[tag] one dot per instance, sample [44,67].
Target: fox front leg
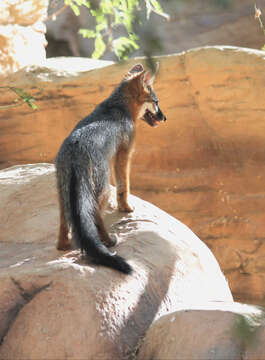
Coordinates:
[122,178]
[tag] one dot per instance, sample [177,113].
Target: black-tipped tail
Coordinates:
[114,261]
[83,209]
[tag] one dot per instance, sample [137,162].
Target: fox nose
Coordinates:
[161,116]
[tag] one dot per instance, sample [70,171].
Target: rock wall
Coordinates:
[205,165]
[22,33]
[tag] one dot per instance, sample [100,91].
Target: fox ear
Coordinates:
[138,68]
[135,72]
[149,77]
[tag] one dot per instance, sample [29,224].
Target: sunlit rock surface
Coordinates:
[22,33]
[55,305]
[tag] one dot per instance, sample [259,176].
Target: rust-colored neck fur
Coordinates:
[135,96]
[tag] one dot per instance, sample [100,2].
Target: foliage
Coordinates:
[258,17]
[22,96]
[247,326]
[112,15]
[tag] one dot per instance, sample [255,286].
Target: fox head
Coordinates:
[142,97]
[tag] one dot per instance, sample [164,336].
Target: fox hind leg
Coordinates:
[63,242]
[104,236]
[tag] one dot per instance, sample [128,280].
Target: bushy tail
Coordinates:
[83,208]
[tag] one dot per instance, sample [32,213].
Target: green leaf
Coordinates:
[155,4]
[148,9]
[32,105]
[87,4]
[128,21]
[106,6]
[100,47]
[26,97]
[124,46]
[77,2]
[101,26]
[117,17]
[101,19]
[80,2]
[86,33]
[75,9]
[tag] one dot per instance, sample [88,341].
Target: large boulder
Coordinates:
[56,305]
[205,165]
[208,332]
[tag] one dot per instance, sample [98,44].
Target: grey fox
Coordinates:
[83,165]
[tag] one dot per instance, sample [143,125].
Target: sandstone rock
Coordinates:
[205,165]
[212,331]
[55,305]
[22,33]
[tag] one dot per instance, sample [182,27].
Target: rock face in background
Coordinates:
[192,24]
[197,23]
[205,165]
[22,33]
[55,305]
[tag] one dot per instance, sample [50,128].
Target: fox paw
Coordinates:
[63,247]
[125,208]
[111,241]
